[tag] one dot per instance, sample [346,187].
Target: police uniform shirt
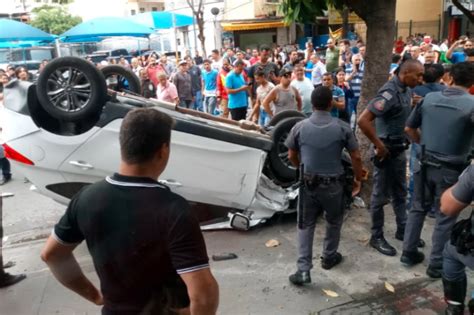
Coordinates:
[391,108]
[463,191]
[415,119]
[320,140]
[140,236]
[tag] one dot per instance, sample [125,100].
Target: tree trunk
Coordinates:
[202,38]
[379,16]
[345,21]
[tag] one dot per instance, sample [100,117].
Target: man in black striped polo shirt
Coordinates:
[147,247]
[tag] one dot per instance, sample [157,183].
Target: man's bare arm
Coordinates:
[365,123]
[67,271]
[266,102]
[450,206]
[341,105]
[356,164]
[299,101]
[294,157]
[413,133]
[203,291]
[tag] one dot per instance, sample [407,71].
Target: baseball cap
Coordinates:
[182,62]
[285,71]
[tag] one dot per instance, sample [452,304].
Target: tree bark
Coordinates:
[464,10]
[379,16]
[345,21]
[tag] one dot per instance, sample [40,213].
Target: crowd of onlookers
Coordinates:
[256,84]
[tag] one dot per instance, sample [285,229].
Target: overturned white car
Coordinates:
[62,134]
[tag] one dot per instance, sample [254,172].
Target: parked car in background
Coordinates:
[30,57]
[116,54]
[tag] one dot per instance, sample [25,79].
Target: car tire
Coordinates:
[125,75]
[71,101]
[284,115]
[278,157]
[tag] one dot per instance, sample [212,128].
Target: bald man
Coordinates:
[390,109]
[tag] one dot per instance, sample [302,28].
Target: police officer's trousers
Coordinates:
[437,181]
[327,199]
[454,263]
[389,182]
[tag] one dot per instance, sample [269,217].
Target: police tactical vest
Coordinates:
[321,147]
[392,123]
[447,125]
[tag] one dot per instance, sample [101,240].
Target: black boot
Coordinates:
[455,294]
[7,279]
[400,234]
[300,277]
[383,246]
[411,258]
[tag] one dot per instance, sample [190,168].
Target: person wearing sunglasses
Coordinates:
[283,96]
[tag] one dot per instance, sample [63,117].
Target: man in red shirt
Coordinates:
[399,45]
[222,95]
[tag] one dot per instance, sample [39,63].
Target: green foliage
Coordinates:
[306,11]
[54,19]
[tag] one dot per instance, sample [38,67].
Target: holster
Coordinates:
[462,238]
[395,146]
[311,182]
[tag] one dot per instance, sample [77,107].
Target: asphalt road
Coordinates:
[254,283]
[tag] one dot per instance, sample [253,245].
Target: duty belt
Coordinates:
[316,180]
[436,163]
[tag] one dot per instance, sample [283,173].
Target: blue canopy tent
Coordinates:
[11,31]
[93,29]
[162,19]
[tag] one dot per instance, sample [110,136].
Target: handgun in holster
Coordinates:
[395,146]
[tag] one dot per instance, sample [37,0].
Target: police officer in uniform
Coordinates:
[390,109]
[316,144]
[457,258]
[443,124]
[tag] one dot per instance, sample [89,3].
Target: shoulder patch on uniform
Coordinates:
[379,104]
[387,95]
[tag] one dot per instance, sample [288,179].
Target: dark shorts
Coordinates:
[238,113]
[173,295]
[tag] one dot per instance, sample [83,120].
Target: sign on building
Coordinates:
[335,17]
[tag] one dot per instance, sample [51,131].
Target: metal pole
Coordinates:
[439,27]
[215,33]
[396,29]
[175,38]
[194,29]
[410,27]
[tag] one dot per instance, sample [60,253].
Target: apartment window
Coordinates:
[142,10]
[133,12]
[154,9]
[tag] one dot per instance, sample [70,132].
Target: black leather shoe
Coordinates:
[399,236]
[454,310]
[329,262]
[383,246]
[300,278]
[434,272]
[409,259]
[8,279]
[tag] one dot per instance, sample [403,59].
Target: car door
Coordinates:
[201,169]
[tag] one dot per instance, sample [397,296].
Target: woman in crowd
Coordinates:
[22,74]
[348,93]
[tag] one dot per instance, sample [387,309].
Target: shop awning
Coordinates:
[237,26]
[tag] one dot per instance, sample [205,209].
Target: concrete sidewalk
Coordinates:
[257,281]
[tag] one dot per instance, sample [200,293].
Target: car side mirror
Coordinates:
[239,221]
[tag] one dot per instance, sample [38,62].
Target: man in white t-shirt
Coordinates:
[305,88]
[318,70]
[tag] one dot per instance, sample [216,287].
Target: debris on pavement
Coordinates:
[224,256]
[7,194]
[272,243]
[359,202]
[389,287]
[330,293]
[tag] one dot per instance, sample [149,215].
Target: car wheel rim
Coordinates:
[69,89]
[283,151]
